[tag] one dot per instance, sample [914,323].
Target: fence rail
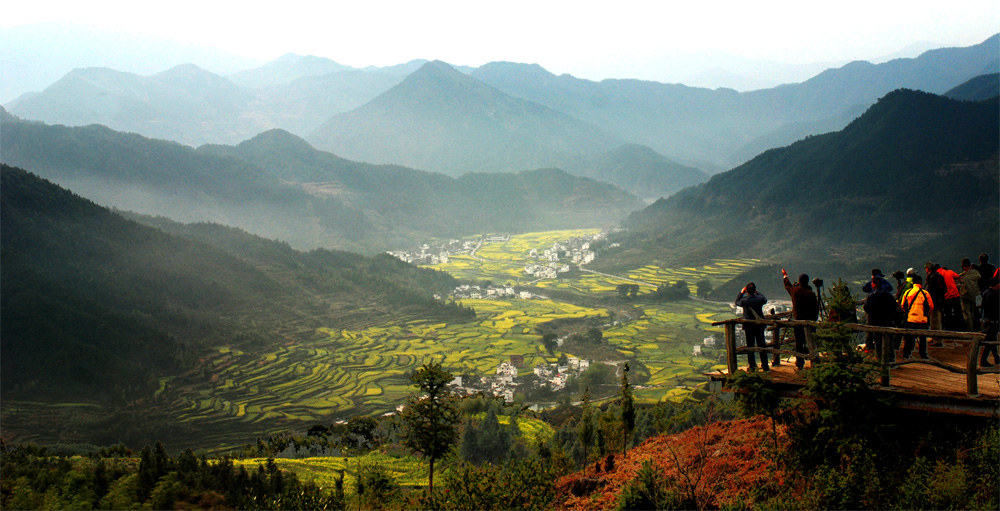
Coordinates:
[886,359]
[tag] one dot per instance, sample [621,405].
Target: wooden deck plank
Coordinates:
[915,380]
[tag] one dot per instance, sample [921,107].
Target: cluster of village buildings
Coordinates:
[548,263]
[545,263]
[504,383]
[473,292]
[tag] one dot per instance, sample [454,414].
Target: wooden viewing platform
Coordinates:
[949,381]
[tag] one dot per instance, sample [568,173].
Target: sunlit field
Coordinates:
[336,373]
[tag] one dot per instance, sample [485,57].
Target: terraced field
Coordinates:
[346,372]
[318,377]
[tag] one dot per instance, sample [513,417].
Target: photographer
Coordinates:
[753,308]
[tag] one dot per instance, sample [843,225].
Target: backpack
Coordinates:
[927,312]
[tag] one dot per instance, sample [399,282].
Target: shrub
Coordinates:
[650,489]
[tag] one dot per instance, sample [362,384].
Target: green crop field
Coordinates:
[410,471]
[336,373]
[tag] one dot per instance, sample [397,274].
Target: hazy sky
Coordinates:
[588,39]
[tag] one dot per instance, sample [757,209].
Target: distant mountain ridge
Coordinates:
[276,185]
[286,69]
[914,178]
[694,125]
[183,104]
[443,120]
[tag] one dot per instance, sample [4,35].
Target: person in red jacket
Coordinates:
[951,309]
[805,305]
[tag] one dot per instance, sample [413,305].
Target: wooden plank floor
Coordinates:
[911,380]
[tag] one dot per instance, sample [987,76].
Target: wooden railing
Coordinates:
[971,370]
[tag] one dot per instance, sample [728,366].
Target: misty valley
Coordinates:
[311,286]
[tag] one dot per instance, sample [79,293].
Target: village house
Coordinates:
[542,371]
[507,369]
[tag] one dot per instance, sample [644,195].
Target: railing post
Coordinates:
[886,357]
[811,344]
[776,345]
[972,370]
[731,347]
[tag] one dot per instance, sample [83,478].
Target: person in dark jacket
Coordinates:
[805,306]
[936,287]
[968,289]
[991,322]
[753,308]
[870,285]
[986,271]
[881,309]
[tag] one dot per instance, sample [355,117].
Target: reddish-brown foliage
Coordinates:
[716,464]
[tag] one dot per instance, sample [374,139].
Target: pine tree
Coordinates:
[586,428]
[431,421]
[628,410]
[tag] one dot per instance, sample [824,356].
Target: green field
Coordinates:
[407,470]
[329,374]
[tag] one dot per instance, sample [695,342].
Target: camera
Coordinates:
[818,282]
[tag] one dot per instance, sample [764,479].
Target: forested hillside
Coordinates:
[97,307]
[916,176]
[977,89]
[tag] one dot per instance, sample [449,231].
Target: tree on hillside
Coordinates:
[361,433]
[677,291]
[550,341]
[704,287]
[431,421]
[628,410]
[628,290]
[586,428]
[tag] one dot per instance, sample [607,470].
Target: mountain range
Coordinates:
[498,117]
[278,186]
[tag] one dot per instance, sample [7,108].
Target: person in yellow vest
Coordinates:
[918,306]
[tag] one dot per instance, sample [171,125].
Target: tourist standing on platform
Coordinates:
[951,309]
[880,308]
[936,287]
[753,308]
[918,305]
[907,284]
[968,289]
[986,271]
[805,306]
[991,322]
[870,287]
